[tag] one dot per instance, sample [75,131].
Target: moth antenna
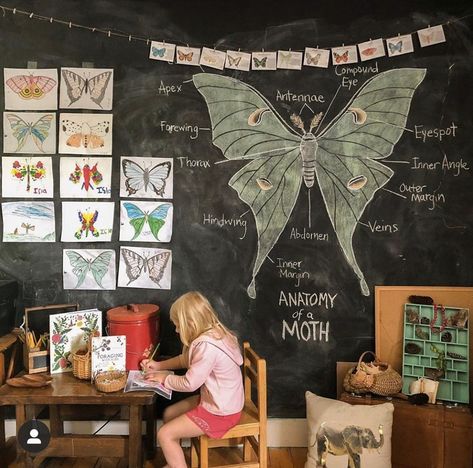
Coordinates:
[297,122]
[315,121]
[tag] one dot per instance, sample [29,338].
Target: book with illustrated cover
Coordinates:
[136,381]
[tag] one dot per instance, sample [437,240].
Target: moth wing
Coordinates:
[158,175]
[157,265]
[80,266]
[40,130]
[134,176]
[18,83]
[20,129]
[134,264]
[45,83]
[98,87]
[75,85]
[99,266]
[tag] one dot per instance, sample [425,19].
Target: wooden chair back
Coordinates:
[251,431]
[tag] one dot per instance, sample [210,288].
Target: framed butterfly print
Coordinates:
[85,134]
[89,269]
[146,177]
[27,177]
[372,49]
[142,221]
[213,58]
[87,221]
[316,57]
[145,268]
[344,55]
[187,55]
[162,51]
[28,89]
[400,45]
[431,36]
[29,132]
[28,222]
[262,61]
[237,60]
[86,88]
[289,60]
[85,177]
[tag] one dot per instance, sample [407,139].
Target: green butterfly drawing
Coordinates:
[98,266]
[39,131]
[138,218]
[342,157]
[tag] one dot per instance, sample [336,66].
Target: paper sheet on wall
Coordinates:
[86,88]
[85,134]
[146,177]
[30,89]
[29,132]
[142,221]
[27,177]
[28,222]
[89,269]
[87,221]
[144,268]
[85,177]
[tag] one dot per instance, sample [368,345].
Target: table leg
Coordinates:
[22,455]
[134,438]
[56,424]
[150,433]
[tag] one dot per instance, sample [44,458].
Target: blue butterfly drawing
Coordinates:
[158,52]
[38,131]
[155,219]
[395,48]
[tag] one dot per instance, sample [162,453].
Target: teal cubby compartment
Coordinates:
[436,337]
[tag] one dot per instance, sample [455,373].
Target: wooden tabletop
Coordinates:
[66,389]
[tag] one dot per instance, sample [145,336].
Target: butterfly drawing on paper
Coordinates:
[395,48]
[31,172]
[427,38]
[137,178]
[81,266]
[30,86]
[312,59]
[368,52]
[38,131]
[158,51]
[341,58]
[85,135]
[77,86]
[136,265]
[285,57]
[211,59]
[234,61]
[342,157]
[183,57]
[155,219]
[87,220]
[90,175]
[260,63]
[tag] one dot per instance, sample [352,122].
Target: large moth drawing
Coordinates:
[342,157]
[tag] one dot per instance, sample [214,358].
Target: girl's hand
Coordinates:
[156,376]
[149,365]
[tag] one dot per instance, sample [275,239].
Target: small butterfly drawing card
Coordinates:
[262,61]
[371,49]
[162,51]
[85,177]
[86,88]
[289,60]
[28,89]
[85,134]
[29,132]
[187,55]
[237,60]
[27,177]
[145,268]
[143,221]
[28,222]
[146,177]
[87,221]
[314,57]
[431,36]
[344,55]
[213,58]
[400,45]
[89,269]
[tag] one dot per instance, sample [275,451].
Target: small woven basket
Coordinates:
[110,381]
[81,364]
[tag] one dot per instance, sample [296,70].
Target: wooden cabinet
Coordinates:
[427,436]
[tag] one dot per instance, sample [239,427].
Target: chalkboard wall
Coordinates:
[309,309]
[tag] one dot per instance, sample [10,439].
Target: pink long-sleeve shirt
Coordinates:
[214,366]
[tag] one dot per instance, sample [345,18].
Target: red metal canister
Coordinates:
[140,324]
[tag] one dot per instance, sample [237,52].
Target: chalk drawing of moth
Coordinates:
[342,157]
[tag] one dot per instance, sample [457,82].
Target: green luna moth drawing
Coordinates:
[343,156]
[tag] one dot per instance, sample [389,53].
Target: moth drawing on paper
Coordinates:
[137,265]
[22,130]
[94,87]
[30,86]
[342,157]
[98,266]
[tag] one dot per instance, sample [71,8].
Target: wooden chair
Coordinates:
[251,430]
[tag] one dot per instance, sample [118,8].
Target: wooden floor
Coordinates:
[278,458]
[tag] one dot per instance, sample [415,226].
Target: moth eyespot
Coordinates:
[256,116]
[357,183]
[359,115]
[264,184]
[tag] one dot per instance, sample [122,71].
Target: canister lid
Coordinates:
[132,312]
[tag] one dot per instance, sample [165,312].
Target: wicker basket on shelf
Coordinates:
[82,363]
[110,381]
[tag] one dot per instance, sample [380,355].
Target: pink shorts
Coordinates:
[213,425]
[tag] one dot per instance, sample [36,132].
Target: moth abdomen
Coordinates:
[308,149]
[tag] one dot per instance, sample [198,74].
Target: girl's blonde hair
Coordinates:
[194,315]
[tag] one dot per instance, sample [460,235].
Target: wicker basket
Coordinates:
[81,364]
[110,381]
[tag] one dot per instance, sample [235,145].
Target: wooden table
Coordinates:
[65,389]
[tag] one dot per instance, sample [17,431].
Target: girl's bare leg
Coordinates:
[180,407]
